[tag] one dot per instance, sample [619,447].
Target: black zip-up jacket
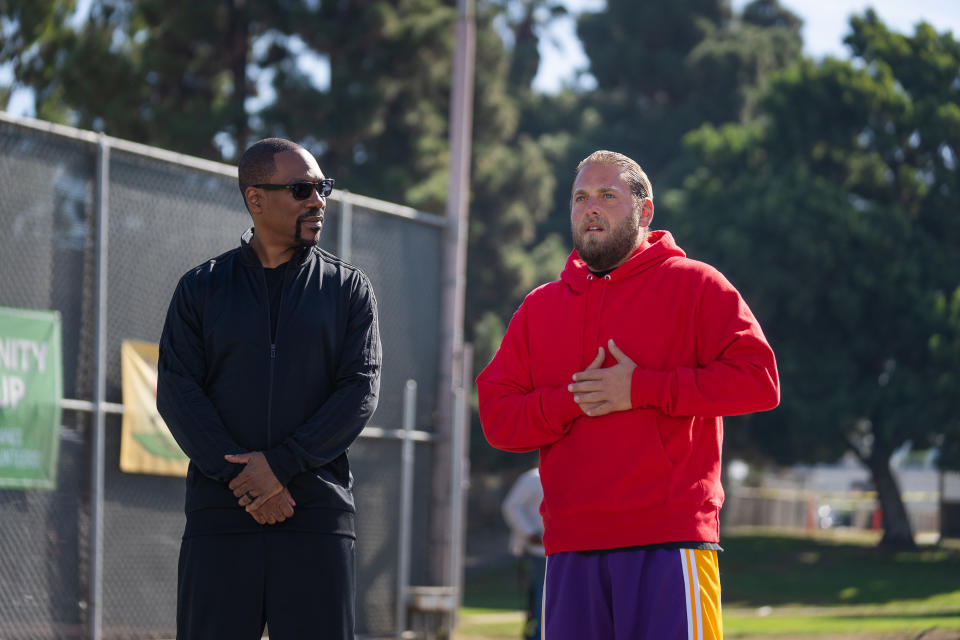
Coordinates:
[225,387]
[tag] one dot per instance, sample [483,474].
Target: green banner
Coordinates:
[31,386]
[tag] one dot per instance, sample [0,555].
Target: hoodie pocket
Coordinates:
[676,436]
[636,454]
[687,484]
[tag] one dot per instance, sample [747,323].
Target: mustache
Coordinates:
[316,212]
[590,223]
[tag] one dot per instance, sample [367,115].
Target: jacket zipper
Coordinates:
[273,352]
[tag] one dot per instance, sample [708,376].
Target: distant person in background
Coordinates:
[269,369]
[619,374]
[521,510]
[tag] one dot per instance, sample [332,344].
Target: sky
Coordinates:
[825,25]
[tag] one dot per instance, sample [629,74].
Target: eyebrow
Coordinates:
[302,179]
[601,189]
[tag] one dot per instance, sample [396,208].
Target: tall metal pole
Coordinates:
[453,276]
[406,504]
[460,450]
[95,606]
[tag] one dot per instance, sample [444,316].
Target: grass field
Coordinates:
[788,587]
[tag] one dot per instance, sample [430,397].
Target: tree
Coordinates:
[663,69]
[525,22]
[175,72]
[946,348]
[836,215]
[182,76]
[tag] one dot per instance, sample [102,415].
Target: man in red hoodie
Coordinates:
[619,374]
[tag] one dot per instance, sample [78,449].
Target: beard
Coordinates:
[298,238]
[604,255]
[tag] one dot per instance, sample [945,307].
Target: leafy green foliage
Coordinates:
[663,69]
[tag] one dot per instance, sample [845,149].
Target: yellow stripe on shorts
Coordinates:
[701,581]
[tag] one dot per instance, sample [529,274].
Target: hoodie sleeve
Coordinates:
[340,419]
[736,371]
[187,411]
[514,415]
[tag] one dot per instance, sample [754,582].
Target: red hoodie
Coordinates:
[650,474]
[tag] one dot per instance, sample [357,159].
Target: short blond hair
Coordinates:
[636,179]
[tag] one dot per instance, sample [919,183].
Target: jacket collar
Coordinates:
[250,258]
[660,246]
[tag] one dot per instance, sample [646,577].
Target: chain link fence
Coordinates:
[167,213]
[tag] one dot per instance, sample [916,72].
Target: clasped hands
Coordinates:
[600,391]
[258,489]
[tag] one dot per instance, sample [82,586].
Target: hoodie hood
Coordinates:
[660,246]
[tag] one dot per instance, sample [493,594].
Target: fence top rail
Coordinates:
[391,208]
[209,166]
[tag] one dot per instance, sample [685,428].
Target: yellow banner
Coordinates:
[146,445]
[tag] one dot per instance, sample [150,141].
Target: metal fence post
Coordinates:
[345,235]
[406,504]
[453,276]
[459,452]
[95,605]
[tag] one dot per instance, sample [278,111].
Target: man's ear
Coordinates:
[253,198]
[646,212]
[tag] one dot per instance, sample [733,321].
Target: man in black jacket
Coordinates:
[269,369]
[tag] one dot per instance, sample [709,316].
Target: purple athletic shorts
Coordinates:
[635,594]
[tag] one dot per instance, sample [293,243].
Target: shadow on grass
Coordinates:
[770,569]
[897,615]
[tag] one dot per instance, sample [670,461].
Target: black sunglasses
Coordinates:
[302,190]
